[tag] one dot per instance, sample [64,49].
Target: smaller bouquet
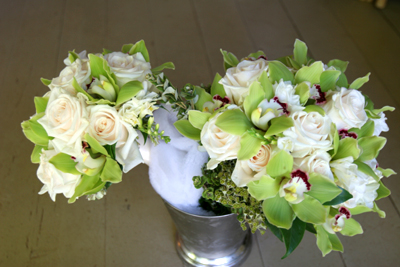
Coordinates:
[292,146]
[85,129]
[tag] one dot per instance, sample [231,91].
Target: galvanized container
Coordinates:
[210,240]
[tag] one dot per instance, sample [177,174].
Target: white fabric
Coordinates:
[173,165]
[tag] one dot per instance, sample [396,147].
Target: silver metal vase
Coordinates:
[210,240]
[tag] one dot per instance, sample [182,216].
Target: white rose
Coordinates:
[108,128]
[55,181]
[238,79]
[82,55]
[362,186]
[220,145]
[252,169]
[285,95]
[380,124]
[128,67]
[65,119]
[316,162]
[346,108]
[311,131]
[80,69]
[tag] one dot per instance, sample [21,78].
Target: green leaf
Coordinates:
[342,81]
[100,102]
[278,71]
[41,104]
[256,95]
[281,164]
[371,114]
[323,242]
[278,212]
[366,130]
[315,108]
[128,91]
[293,236]
[328,80]
[347,147]
[338,64]
[230,60]
[45,81]
[322,188]
[359,82]
[95,145]
[351,228]
[86,184]
[64,163]
[385,108]
[111,172]
[370,147]
[35,131]
[198,119]
[300,52]
[217,88]
[126,47]
[366,169]
[264,188]
[111,150]
[203,97]
[233,121]
[335,137]
[303,90]
[166,65]
[37,150]
[97,66]
[310,227]
[249,146]
[380,212]
[310,74]
[72,56]
[278,125]
[256,54]
[359,210]
[310,210]
[386,172]
[275,230]
[140,47]
[382,191]
[342,197]
[106,51]
[187,129]
[294,64]
[266,85]
[79,89]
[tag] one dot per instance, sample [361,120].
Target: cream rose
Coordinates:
[238,79]
[346,108]
[252,169]
[219,144]
[80,70]
[311,131]
[108,128]
[55,181]
[128,67]
[66,120]
[316,162]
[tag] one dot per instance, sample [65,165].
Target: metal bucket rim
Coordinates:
[199,216]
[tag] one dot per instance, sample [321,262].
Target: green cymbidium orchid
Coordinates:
[103,88]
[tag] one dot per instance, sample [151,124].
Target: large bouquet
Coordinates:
[292,146]
[85,129]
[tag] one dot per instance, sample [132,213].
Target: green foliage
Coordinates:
[303,90]
[339,199]
[281,164]
[230,60]
[382,191]
[64,163]
[266,85]
[256,95]
[278,212]
[111,171]
[351,228]
[322,188]
[203,97]
[95,145]
[370,147]
[310,74]
[359,82]
[159,69]
[293,236]
[264,188]
[128,91]
[347,147]
[40,104]
[328,80]
[249,146]
[198,119]
[45,81]
[310,210]
[366,130]
[315,108]
[386,172]
[139,47]
[35,132]
[87,185]
[72,56]
[217,88]
[234,122]
[79,89]
[37,150]
[278,71]
[300,52]
[278,125]
[187,129]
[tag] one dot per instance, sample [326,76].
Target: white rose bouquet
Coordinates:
[292,146]
[86,128]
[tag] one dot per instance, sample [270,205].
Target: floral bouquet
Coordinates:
[85,129]
[292,146]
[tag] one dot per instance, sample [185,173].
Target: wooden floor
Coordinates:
[131,227]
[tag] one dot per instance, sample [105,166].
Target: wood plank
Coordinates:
[222,28]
